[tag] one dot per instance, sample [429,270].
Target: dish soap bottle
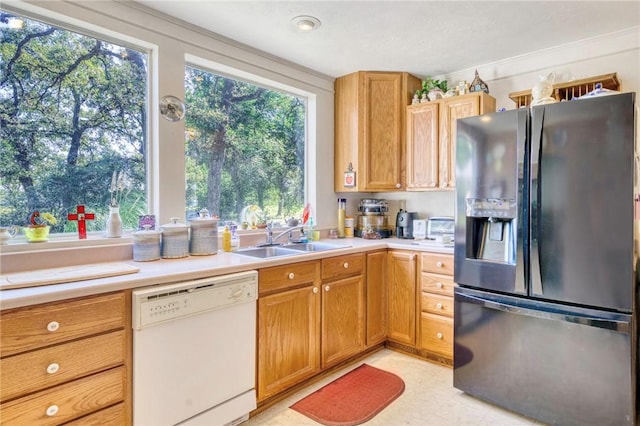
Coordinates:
[235,238]
[226,239]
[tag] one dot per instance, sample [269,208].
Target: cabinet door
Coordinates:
[402,297]
[342,319]
[288,339]
[383,152]
[376,324]
[422,146]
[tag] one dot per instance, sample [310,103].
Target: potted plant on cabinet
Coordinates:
[432,89]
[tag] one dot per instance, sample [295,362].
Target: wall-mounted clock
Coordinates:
[172,108]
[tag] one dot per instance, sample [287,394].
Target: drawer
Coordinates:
[435,304]
[32,371]
[343,266]
[438,284]
[437,334]
[113,416]
[68,401]
[437,263]
[282,277]
[37,326]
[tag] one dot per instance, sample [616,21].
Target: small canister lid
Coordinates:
[175,227]
[147,235]
[204,219]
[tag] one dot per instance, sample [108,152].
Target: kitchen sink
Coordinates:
[286,250]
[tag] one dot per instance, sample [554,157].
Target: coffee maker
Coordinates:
[404,223]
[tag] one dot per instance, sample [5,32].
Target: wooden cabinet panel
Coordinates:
[31,371]
[437,263]
[288,339]
[287,276]
[422,146]
[438,305]
[115,415]
[343,266]
[437,334]
[402,295]
[342,319]
[68,401]
[370,129]
[376,297]
[438,284]
[42,325]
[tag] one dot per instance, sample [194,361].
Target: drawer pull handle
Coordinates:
[291,275]
[327,288]
[439,335]
[315,290]
[53,326]
[345,265]
[53,368]
[439,285]
[439,264]
[439,305]
[52,410]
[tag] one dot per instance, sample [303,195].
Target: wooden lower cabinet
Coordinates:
[288,327]
[376,298]
[402,294]
[67,361]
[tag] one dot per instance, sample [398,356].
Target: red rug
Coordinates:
[353,398]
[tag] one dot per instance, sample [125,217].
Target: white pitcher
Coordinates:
[7,233]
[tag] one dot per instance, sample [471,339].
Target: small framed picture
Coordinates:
[349,179]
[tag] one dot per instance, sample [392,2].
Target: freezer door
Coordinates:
[582,166]
[558,365]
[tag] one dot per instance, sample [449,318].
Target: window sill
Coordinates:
[63,241]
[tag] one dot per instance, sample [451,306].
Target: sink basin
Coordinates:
[265,252]
[312,246]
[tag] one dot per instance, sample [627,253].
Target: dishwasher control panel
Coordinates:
[153,305]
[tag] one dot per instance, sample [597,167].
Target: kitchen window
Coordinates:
[73,112]
[244,149]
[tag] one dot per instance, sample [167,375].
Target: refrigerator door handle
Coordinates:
[607,324]
[535,208]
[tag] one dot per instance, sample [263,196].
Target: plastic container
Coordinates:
[204,234]
[349,223]
[175,239]
[146,245]
[235,238]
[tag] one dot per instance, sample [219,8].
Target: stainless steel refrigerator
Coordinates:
[546,260]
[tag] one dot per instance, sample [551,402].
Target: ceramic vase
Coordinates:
[114,223]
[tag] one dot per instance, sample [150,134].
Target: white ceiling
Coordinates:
[422,37]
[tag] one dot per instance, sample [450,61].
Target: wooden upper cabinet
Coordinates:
[431,138]
[370,129]
[451,110]
[422,146]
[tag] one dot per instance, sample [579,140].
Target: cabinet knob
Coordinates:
[53,368]
[345,265]
[53,326]
[327,288]
[52,410]
[315,290]
[439,285]
[439,264]
[398,185]
[439,305]
[291,275]
[444,184]
[439,335]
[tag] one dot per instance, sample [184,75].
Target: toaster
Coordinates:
[440,226]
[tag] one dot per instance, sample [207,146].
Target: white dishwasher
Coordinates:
[194,351]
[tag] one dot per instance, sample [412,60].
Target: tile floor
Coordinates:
[429,399]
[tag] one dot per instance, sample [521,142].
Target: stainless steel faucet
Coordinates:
[271,238]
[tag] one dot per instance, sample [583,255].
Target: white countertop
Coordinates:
[165,271]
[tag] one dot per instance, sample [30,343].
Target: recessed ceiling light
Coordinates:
[305,23]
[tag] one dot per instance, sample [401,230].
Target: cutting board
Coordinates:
[65,274]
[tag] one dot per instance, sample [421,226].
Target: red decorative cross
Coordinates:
[81,216]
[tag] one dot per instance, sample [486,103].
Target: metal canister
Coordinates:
[175,239]
[204,234]
[146,245]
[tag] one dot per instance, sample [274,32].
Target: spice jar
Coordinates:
[204,234]
[175,239]
[146,245]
